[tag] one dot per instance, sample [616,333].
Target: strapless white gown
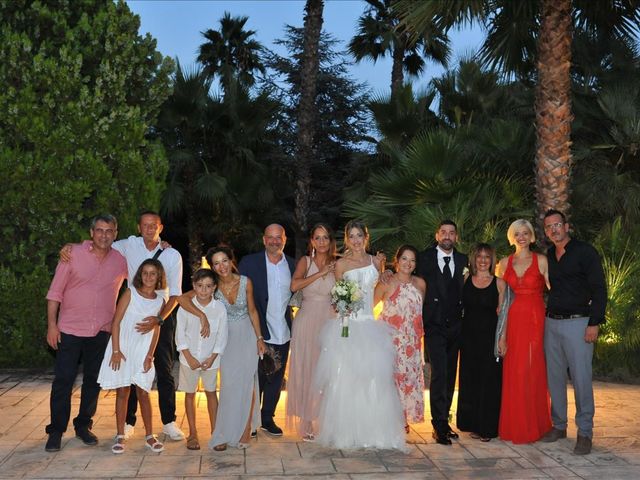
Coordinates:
[359,403]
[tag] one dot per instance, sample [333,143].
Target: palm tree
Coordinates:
[307,113]
[219,181]
[436,178]
[522,35]
[230,52]
[378,35]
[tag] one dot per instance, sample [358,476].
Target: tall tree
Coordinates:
[341,123]
[81,89]
[378,35]
[307,113]
[231,52]
[522,36]
[219,149]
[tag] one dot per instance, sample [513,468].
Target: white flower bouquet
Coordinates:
[346,298]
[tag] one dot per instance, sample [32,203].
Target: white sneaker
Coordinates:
[128,431]
[172,431]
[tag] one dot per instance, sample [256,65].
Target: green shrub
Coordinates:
[23,317]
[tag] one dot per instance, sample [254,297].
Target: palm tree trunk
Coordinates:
[306,118]
[553,109]
[397,72]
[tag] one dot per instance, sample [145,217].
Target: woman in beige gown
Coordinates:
[314,276]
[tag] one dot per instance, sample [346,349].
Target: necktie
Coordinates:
[446,271]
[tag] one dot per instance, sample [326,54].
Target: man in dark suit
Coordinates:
[442,268]
[271,271]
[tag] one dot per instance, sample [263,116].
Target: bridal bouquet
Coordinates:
[346,297]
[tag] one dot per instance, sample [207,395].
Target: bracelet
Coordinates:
[116,351]
[260,338]
[160,320]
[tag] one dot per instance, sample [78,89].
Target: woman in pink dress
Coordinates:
[314,276]
[403,294]
[525,407]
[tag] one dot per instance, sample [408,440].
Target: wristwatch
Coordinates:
[160,320]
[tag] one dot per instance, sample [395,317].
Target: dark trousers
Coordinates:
[71,350]
[443,345]
[271,386]
[163,361]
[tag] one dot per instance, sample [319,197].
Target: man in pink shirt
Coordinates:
[80,305]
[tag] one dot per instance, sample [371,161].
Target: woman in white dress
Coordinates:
[359,403]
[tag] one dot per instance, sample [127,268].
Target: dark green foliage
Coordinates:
[341,123]
[80,90]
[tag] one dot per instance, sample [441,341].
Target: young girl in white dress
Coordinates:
[359,402]
[128,359]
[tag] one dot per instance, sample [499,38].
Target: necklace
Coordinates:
[227,290]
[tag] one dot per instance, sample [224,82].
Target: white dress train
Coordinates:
[359,402]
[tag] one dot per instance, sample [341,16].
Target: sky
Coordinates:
[177,26]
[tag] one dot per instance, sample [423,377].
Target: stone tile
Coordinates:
[562,452]
[559,473]
[618,444]
[433,450]
[423,475]
[475,463]
[537,457]
[107,464]
[627,472]
[408,464]
[313,450]
[264,465]
[308,465]
[632,458]
[25,464]
[180,465]
[494,474]
[412,452]
[222,465]
[493,449]
[359,465]
[296,477]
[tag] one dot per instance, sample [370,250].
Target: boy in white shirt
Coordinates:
[200,356]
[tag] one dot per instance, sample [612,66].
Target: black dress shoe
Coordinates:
[440,438]
[452,434]
[53,442]
[87,436]
[272,429]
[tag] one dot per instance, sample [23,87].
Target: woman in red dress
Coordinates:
[524,414]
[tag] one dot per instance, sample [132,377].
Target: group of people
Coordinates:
[358,390]
[523,398]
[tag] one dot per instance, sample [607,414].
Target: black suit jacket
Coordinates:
[442,306]
[254,266]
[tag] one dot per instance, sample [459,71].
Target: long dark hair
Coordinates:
[332,239]
[161,284]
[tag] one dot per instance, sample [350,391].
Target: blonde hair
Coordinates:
[521,222]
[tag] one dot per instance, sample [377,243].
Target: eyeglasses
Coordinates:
[554,226]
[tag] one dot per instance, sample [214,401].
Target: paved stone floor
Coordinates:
[24,412]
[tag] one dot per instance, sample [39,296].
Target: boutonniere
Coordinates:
[465,271]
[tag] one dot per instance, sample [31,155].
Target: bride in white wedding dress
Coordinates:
[359,404]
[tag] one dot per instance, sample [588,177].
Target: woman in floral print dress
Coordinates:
[402,295]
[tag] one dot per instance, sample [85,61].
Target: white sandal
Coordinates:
[118,447]
[156,446]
